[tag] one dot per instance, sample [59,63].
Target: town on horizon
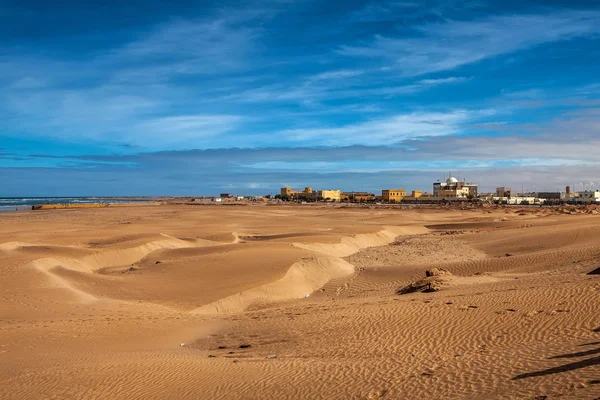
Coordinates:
[450,190]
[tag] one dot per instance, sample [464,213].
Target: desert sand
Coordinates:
[298,302]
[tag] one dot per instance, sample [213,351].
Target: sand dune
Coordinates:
[211,302]
[300,281]
[308,275]
[352,244]
[96,260]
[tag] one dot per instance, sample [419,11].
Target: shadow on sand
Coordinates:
[579,354]
[567,367]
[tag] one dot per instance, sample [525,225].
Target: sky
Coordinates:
[190,98]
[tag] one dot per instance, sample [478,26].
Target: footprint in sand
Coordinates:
[377,394]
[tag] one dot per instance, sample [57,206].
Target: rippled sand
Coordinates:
[298,302]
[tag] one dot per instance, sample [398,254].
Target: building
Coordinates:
[290,194]
[455,193]
[518,200]
[418,197]
[329,195]
[393,195]
[503,192]
[588,197]
[452,188]
[358,196]
[365,196]
[551,196]
[226,195]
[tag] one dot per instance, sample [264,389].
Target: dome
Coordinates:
[452,180]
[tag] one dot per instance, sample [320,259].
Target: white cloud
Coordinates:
[340,74]
[338,166]
[385,131]
[116,96]
[76,113]
[445,46]
[442,81]
[184,47]
[131,94]
[110,115]
[185,131]
[384,10]
[315,91]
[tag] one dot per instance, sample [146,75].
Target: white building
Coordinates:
[520,200]
[588,197]
[452,188]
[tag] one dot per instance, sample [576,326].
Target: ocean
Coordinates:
[25,203]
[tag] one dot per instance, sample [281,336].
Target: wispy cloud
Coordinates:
[185,47]
[548,143]
[132,92]
[375,11]
[184,131]
[375,87]
[326,87]
[409,165]
[547,159]
[110,115]
[330,75]
[445,46]
[383,131]
[442,81]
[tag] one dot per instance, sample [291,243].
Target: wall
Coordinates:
[333,195]
[453,194]
[393,195]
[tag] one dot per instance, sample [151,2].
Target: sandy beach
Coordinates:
[299,302]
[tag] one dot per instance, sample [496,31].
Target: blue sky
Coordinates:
[196,98]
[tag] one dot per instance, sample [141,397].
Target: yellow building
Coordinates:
[393,195]
[366,197]
[358,196]
[289,193]
[330,195]
[416,193]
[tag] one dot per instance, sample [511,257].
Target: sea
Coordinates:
[25,203]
